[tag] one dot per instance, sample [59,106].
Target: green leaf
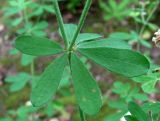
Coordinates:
[149,87]
[13,51]
[120,36]
[118,104]
[49,82]
[86,89]
[27,59]
[108,42]
[16,22]
[148,82]
[154,107]
[121,88]
[70,29]
[18,81]
[37,46]
[141,97]
[40,26]
[24,111]
[130,118]
[6,119]
[115,116]
[137,112]
[125,62]
[86,37]
[146,43]
[145,78]
[49,8]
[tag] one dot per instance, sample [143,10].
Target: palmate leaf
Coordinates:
[122,61]
[49,82]
[37,46]
[86,89]
[137,112]
[18,81]
[148,82]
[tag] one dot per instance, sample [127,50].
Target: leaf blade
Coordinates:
[70,29]
[84,37]
[130,118]
[137,112]
[124,62]
[49,82]
[86,89]
[37,46]
[107,42]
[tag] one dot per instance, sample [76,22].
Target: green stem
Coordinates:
[145,24]
[150,116]
[81,22]
[82,116]
[41,2]
[32,68]
[60,21]
[25,16]
[158,117]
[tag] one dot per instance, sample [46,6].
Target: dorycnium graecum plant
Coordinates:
[120,60]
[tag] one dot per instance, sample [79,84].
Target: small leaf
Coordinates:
[120,36]
[18,81]
[86,89]
[37,46]
[121,88]
[27,59]
[149,87]
[145,78]
[86,37]
[141,97]
[125,62]
[49,82]
[16,22]
[108,42]
[154,107]
[148,82]
[137,112]
[49,8]
[13,51]
[117,104]
[130,118]
[70,29]
[115,116]
[6,119]
[146,43]
[40,26]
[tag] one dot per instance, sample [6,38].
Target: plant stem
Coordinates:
[150,116]
[146,22]
[25,16]
[32,69]
[60,22]
[81,22]
[158,117]
[82,116]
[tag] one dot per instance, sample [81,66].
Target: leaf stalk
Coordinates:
[60,22]
[81,22]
